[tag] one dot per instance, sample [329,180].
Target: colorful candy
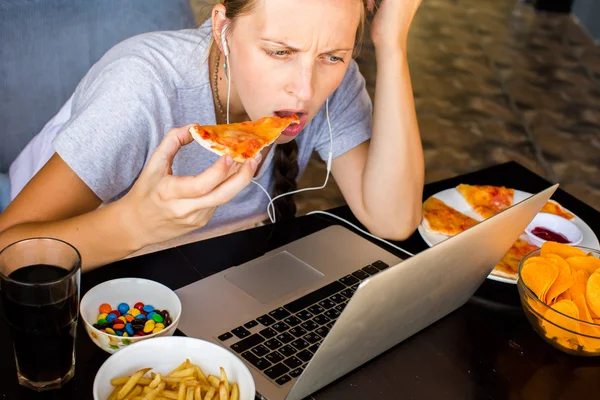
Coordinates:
[139,320]
[105,308]
[157,318]
[148,308]
[123,308]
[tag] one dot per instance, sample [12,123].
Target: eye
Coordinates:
[278,53]
[333,59]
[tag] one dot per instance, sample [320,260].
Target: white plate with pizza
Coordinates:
[448,212]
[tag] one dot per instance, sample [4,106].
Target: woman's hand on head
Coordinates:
[165,206]
[392,22]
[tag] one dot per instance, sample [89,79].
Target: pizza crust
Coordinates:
[504,274]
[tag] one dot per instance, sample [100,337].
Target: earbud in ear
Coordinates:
[224,41]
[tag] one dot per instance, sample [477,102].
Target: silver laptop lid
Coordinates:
[400,301]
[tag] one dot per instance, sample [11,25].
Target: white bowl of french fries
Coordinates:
[177,368]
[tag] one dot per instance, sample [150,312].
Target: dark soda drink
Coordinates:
[42,320]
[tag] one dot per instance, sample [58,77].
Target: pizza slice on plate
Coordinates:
[508,266]
[552,207]
[242,140]
[487,200]
[438,217]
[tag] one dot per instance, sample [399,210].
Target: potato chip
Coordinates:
[560,249]
[566,295]
[593,293]
[588,263]
[588,343]
[539,274]
[563,281]
[580,280]
[554,320]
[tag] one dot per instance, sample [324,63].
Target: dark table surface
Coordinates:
[484,350]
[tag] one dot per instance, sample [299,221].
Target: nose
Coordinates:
[301,84]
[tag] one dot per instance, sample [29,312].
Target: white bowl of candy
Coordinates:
[123,311]
[549,227]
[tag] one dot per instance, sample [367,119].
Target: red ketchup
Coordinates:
[547,234]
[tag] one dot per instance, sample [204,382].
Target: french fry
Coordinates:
[183,365]
[169,394]
[170,379]
[183,373]
[153,394]
[201,376]
[223,393]
[189,394]
[137,390]
[123,380]
[155,381]
[214,381]
[113,395]
[133,380]
[156,398]
[181,393]
[224,380]
[235,392]
[186,382]
[211,392]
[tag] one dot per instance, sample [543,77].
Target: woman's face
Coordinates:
[288,56]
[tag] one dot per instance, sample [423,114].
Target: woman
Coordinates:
[285,57]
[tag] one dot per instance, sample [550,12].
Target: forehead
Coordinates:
[304,23]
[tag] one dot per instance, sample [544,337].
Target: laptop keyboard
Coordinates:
[290,335]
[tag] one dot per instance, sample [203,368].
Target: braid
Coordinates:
[285,172]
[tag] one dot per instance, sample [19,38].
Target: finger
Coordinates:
[228,189]
[185,187]
[174,140]
[234,184]
[370,5]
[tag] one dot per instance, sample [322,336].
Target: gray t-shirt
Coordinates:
[153,82]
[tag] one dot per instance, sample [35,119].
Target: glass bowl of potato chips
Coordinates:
[559,286]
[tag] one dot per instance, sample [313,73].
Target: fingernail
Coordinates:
[253,163]
[228,161]
[258,157]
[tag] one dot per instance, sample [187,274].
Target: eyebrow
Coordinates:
[284,44]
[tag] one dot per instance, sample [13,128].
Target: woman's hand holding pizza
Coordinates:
[391,23]
[164,206]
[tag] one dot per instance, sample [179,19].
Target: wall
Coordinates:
[588,13]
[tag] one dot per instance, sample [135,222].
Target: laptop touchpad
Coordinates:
[273,277]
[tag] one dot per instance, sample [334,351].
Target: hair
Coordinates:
[285,168]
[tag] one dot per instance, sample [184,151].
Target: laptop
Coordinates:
[307,313]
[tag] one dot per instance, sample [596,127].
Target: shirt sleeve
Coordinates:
[115,125]
[350,114]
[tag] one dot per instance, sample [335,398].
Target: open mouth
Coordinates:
[294,128]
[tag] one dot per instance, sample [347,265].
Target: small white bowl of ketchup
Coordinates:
[549,227]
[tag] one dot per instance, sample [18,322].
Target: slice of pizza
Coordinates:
[241,140]
[438,217]
[552,207]
[487,200]
[508,266]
